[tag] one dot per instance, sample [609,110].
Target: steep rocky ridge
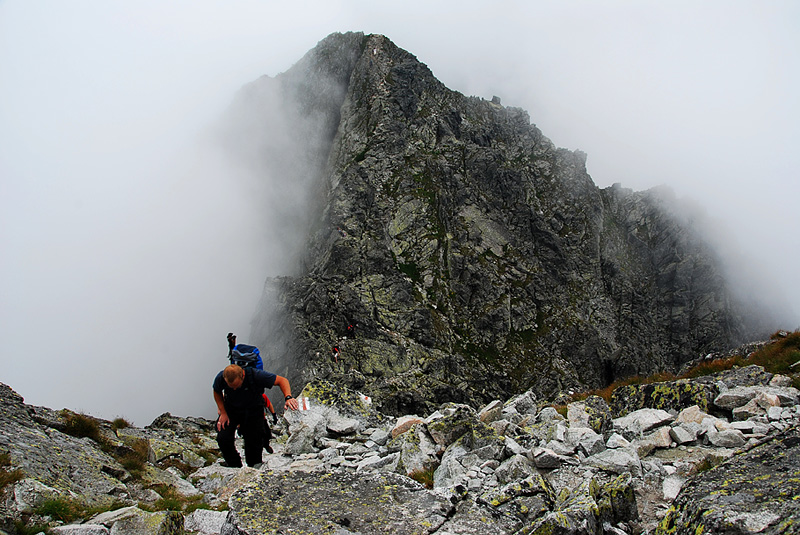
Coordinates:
[474,258]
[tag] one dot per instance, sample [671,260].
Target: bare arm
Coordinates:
[283,384]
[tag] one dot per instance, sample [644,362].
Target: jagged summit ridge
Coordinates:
[474,258]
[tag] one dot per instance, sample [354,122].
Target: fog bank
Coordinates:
[130,244]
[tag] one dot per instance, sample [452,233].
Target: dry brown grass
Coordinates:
[777,357]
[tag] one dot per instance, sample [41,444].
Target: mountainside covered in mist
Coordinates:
[453,253]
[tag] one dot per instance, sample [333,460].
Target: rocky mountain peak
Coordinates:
[453,253]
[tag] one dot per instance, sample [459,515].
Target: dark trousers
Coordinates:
[251,423]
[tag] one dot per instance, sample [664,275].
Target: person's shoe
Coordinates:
[268,448]
[257,466]
[226,465]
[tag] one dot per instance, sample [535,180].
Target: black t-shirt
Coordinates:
[249,394]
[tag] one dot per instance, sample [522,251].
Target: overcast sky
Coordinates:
[121,233]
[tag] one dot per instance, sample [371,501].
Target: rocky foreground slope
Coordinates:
[719,454]
[461,244]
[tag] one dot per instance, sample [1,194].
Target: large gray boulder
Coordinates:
[639,422]
[617,461]
[337,502]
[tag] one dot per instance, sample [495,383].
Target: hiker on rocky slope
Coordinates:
[238,395]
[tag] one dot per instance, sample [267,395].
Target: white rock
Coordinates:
[618,461]
[546,458]
[514,447]
[691,414]
[730,438]
[672,486]
[641,421]
[205,521]
[376,462]
[736,397]
[681,435]
[617,441]
[491,412]
[404,423]
[81,529]
[339,425]
[561,448]
[660,438]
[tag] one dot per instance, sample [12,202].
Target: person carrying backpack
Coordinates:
[238,394]
[249,356]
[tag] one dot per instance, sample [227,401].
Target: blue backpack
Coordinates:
[246,356]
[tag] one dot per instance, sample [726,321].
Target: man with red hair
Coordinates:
[238,394]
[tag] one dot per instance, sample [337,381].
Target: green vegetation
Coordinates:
[411,270]
[777,357]
[81,425]
[134,457]
[172,500]
[8,477]
[181,466]
[64,509]
[714,366]
[23,529]
[210,456]
[120,423]
[67,510]
[423,476]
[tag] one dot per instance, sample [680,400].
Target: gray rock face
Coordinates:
[740,495]
[474,258]
[59,461]
[339,502]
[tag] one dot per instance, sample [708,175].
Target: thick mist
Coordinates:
[133,237]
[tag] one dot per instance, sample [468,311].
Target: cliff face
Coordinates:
[472,257]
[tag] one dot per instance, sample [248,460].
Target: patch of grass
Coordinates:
[134,457]
[192,507]
[22,528]
[777,357]
[423,476]
[172,500]
[119,423]
[8,477]
[81,425]
[184,468]
[780,355]
[210,456]
[713,366]
[63,509]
